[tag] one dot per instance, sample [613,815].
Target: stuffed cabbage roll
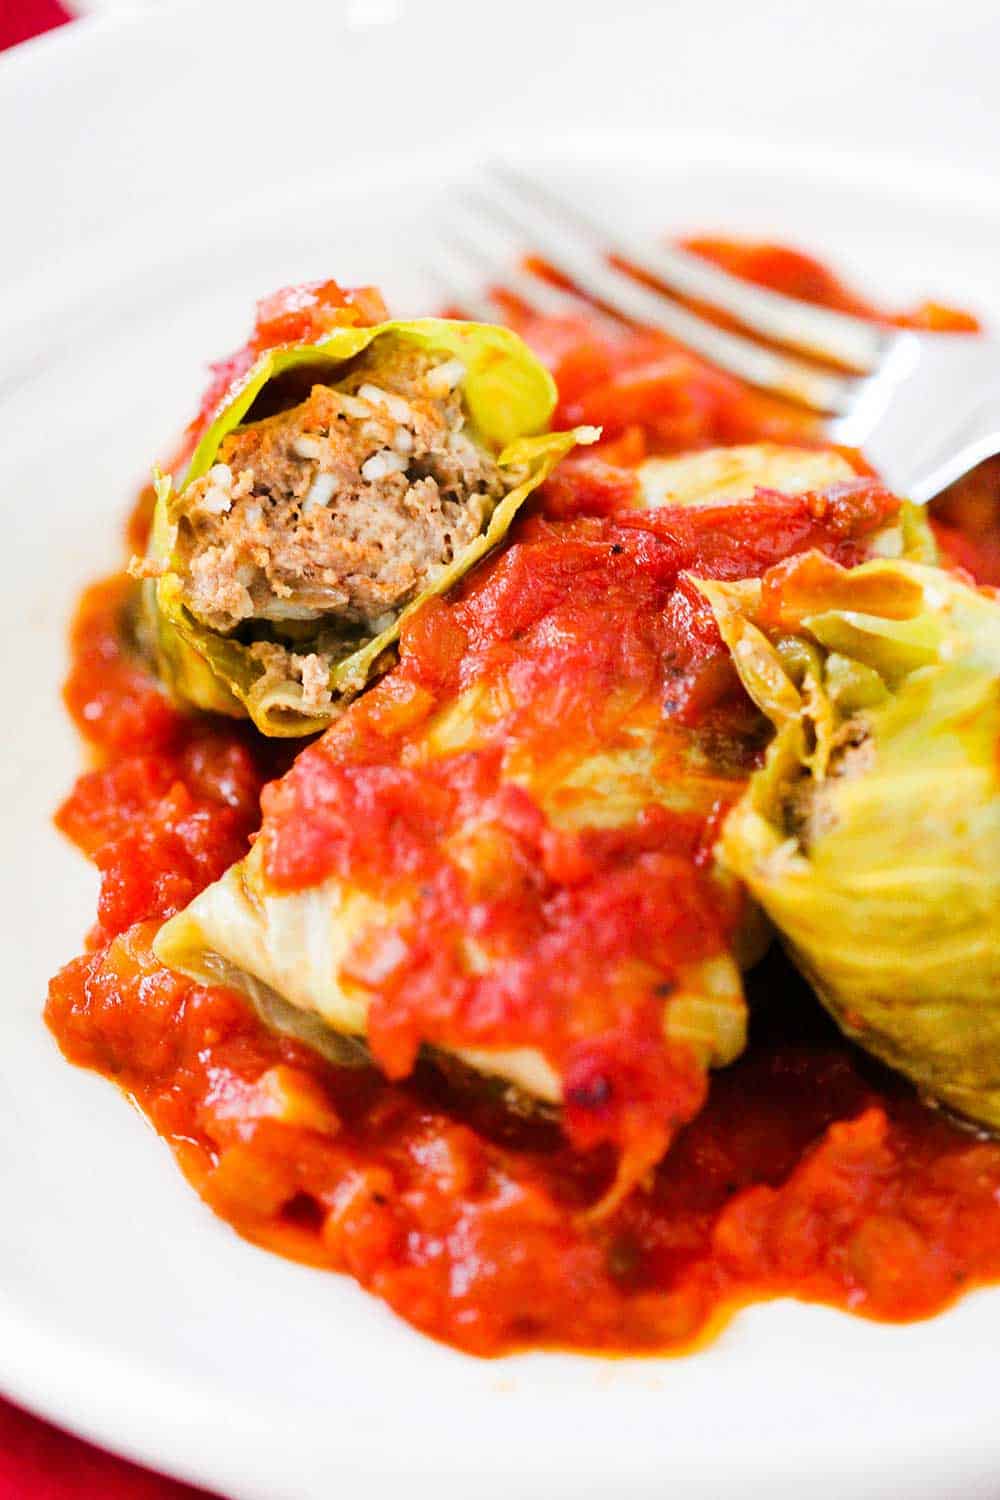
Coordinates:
[341,483]
[503,850]
[871,836]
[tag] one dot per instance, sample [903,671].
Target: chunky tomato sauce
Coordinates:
[807,1170]
[583,633]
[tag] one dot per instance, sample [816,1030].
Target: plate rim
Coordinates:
[88,1407]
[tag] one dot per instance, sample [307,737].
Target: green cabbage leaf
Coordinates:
[871,835]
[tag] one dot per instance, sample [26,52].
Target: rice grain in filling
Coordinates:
[330,517]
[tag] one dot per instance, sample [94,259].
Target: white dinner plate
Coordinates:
[156,175]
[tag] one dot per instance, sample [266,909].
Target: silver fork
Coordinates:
[925,408]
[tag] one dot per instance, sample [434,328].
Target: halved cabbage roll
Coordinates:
[342,483]
[871,836]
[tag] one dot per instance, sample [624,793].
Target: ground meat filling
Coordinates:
[808,809]
[321,523]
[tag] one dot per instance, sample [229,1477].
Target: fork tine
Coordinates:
[497,259]
[820,331]
[460,285]
[587,268]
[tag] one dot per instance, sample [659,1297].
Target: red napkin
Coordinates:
[20,19]
[38,1462]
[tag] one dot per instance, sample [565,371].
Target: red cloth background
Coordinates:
[20,19]
[38,1462]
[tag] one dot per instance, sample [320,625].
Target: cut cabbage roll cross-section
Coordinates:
[502,852]
[342,508]
[342,483]
[871,835]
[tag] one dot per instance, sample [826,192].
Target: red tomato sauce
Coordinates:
[582,630]
[808,1170]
